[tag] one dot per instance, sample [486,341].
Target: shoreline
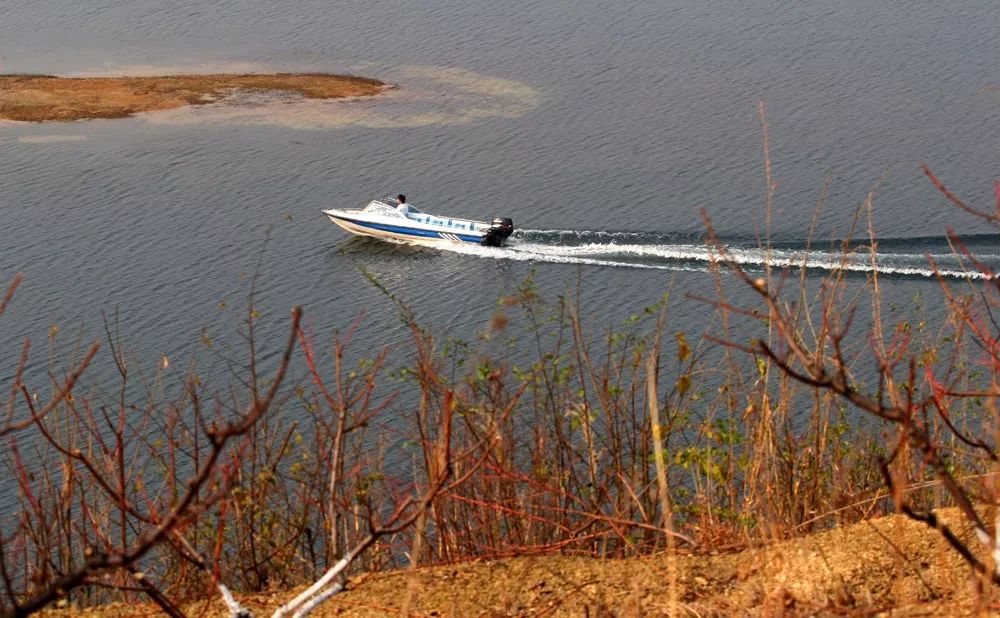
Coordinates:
[49,98]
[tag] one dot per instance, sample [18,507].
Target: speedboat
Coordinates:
[380,219]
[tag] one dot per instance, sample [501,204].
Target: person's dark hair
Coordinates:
[401,198]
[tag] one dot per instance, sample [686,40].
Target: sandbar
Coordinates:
[41,98]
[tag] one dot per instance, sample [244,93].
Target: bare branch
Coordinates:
[11,289]
[64,391]
[992,219]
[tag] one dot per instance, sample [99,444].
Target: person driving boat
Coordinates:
[401,206]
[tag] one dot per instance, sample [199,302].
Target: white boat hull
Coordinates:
[384,223]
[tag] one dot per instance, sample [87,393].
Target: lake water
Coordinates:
[601,128]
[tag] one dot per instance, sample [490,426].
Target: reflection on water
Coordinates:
[49,139]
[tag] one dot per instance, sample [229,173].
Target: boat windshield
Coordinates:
[387,206]
[390,201]
[378,207]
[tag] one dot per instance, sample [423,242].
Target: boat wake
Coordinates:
[896,256]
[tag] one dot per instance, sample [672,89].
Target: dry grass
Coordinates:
[39,98]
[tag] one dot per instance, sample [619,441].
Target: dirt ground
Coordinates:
[887,567]
[39,98]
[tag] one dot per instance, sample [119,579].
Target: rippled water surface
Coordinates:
[602,129]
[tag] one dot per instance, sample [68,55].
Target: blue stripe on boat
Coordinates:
[410,231]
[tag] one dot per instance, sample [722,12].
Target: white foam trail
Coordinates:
[670,250]
[540,253]
[598,254]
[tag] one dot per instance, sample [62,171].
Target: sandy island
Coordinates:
[38,98]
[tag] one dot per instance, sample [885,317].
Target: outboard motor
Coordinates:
[500,229]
